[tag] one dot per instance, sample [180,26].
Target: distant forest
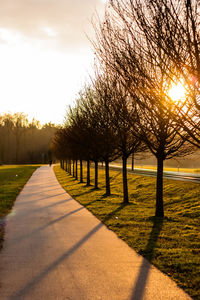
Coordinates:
[24,142]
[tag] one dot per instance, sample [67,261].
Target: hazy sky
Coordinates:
[45,56]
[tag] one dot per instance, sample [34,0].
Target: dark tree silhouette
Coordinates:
[59,145]
[173,27]
[123,115]
[122,46]
[107,135]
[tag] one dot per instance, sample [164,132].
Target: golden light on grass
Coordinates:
[177,92]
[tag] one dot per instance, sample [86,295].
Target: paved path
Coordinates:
[56,250]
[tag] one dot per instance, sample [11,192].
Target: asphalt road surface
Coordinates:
[191,177]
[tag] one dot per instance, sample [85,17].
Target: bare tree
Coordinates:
[59,145]
[122,114]
[88,112]
[100,135]
[77,140]
[174,26]
[85,133]
[107,134]
[122,46]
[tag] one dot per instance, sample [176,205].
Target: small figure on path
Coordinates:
[50,162]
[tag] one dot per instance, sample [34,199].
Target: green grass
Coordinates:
[171,244]
[12,180]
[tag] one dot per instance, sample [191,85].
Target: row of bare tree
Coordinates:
[143,47]
[22,141]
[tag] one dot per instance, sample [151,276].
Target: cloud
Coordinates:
[56,22]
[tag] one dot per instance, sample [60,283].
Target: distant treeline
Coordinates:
[24,142]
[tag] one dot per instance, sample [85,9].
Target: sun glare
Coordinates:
[10,36]
[49,31]
[40,82]
[177,92]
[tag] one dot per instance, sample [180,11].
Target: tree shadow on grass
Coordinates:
[148,253]
[79,182]
[114,212]
[83,193]
[104,196]
[112,178]
[94,201]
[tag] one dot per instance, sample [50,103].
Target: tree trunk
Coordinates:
[159,189]
[70,169]
[81,171]
[96,174]
[125,184]
[66,169]
[73,168]
[107,178]
[132,162]
[62,164]
[88,172]
[76,169]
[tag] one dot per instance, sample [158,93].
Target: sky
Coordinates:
[45,55]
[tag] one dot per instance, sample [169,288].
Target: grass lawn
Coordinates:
[171,244]
[12,180]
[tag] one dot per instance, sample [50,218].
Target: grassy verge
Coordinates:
[12,180]
[172,244]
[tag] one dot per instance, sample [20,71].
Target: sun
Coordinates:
[177,92]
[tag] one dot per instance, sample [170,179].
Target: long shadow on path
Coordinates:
[27,289]
[21,238]
[44,198]
[141,281]
[140,284]
[31,284]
